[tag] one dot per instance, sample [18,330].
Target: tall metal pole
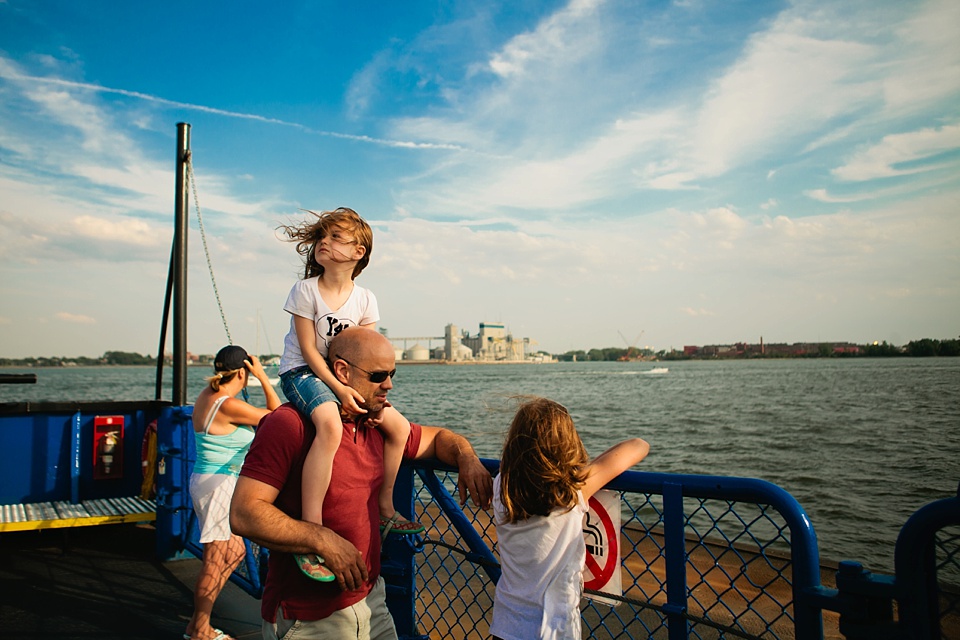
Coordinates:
[180,268]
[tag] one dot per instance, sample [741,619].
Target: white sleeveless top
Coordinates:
[541,559]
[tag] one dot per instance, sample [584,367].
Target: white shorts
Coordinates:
[211,494]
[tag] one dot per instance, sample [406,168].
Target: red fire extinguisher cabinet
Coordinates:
[107,447]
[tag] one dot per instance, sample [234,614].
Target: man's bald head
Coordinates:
[354,344]
[365,361]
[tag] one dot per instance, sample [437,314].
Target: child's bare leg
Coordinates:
[396,430]
[317,469]
[318,465]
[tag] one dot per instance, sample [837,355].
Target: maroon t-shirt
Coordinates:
[350,507]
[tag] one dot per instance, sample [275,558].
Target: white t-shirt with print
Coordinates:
[305,301]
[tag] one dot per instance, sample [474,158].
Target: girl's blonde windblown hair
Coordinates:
[309,232]
[544,461]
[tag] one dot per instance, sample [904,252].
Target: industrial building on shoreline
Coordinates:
[493,343]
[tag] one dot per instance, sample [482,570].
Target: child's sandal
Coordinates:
[399,525]
[312,566]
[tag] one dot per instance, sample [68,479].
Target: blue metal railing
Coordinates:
[703,557]
[928,547]
[925,588]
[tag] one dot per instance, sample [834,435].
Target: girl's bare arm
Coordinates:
[612,462]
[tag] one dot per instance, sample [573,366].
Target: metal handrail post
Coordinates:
[180,268]
[451,508]
[676,561]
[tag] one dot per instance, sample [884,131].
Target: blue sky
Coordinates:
[589,173]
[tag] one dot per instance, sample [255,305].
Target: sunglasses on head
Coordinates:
[374,376]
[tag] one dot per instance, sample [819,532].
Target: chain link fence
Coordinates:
[731,562]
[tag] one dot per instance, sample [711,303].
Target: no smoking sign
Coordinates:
[601,534]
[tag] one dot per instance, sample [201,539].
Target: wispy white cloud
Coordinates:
[543,45]
[822,195]
[133,232]
[805,74]
[924,66]
[690,311]
[872,191]
[902,154]
[791,80]
[75,318]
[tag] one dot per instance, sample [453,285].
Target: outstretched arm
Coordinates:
[473,478]
[253,515]
[612,462]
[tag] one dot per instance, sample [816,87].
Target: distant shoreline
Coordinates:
[72,365]
[922,348]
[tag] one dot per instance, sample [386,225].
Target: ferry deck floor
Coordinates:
[105,582]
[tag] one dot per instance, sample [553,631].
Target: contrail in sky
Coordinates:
[8,73]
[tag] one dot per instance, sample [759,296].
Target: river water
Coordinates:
[860,443]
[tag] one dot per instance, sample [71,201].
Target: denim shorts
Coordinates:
[305,390]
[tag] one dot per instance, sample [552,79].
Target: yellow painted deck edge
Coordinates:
[32,525]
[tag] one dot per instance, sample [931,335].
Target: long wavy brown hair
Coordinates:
[544,462]
[309,232]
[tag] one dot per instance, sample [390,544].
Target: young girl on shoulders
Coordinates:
[539,505]
[336,247]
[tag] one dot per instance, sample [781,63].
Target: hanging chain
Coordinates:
[206,250]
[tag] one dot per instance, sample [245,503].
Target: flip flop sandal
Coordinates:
[399,525]
[312,566]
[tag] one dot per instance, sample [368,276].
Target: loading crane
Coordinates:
[631,347]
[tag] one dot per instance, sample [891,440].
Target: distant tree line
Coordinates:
[927,347]
[108,358]
[923,348]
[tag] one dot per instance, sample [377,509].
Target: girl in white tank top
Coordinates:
[539,503]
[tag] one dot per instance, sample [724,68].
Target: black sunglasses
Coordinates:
[375,376]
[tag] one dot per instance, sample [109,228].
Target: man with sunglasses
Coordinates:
[266,504]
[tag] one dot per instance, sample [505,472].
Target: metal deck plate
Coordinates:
[52,515]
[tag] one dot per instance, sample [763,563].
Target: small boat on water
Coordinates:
[253,382]
[656,371]
[18,378]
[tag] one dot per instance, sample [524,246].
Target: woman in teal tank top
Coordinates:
[223,426]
